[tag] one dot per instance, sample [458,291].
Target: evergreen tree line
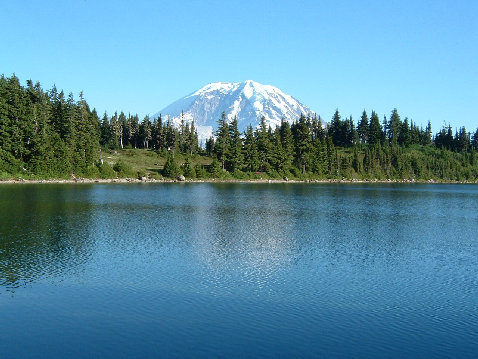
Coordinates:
[119,131]
[45,133]
[48,134]
[391,149]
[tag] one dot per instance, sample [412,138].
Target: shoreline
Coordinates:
[213,180]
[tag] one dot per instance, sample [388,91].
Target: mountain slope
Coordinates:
[248,101]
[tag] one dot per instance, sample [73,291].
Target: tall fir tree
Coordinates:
[222,142]
[375,129]
[302,144]
[363,128]
[235,158]
[251,157]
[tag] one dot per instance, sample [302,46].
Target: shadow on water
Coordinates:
[44,232]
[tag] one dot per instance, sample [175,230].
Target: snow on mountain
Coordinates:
[248,101]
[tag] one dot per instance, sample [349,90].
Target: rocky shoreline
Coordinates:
[213,180]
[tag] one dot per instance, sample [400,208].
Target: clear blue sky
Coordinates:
[139,56]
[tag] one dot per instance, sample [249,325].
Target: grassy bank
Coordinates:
[140,165]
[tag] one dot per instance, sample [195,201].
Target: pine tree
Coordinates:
[193,139]
[170,136]
[210,144]
[394,127]
[157,133]
[221,146]
[405,135]
[105,131]
[188,169]
[185,138]
[331,158]
[427,139]
[145,131]
[474,142]
[287,140]
[116,131]
[302,144]
[353,138]
[375,130]
[251,160]
[462,140]
[363,128]
[263,145]
[277,156]
[357,164]
[235,157]
[336,131]
[171,169]
[181,137]
[122,128]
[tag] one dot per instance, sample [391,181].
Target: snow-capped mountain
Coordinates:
[248,101]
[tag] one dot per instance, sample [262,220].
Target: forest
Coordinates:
[46,134]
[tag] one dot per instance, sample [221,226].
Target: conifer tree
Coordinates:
[357,162]
[317,130]
[193,139]
[302,144]
[405,135]
[145,131]
[171,169]
[235,158]
[462,140]
[427,139]
[122,128]
[263,145]
[353,138]
[157,133]
[394,127]
[335,131]
[331,158]
[474,142]
[287,140]
[132,130]
[170,136]
[188,169]
[277,157]
[251,160]
[363,128]
[210,146]
[105,131]
[375,130]
[116,131]
[222,143]
[185,138]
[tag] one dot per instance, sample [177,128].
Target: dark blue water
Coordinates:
[228,270]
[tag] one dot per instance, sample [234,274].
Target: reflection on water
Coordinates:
[250,269]
[43,233]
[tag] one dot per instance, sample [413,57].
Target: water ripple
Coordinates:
[234,269]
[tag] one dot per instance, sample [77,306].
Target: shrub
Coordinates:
[123,169]
[188,169]
[105,170]
[200,171]
[171,168]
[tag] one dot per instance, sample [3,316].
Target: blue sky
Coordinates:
[139,56]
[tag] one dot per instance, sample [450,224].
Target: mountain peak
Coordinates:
[247,101]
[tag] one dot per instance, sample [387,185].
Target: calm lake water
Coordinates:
[228,270]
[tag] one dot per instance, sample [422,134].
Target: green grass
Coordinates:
[147,163]
[140,163]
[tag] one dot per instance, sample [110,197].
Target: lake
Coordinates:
[238,270]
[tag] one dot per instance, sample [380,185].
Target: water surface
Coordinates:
[256,270]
